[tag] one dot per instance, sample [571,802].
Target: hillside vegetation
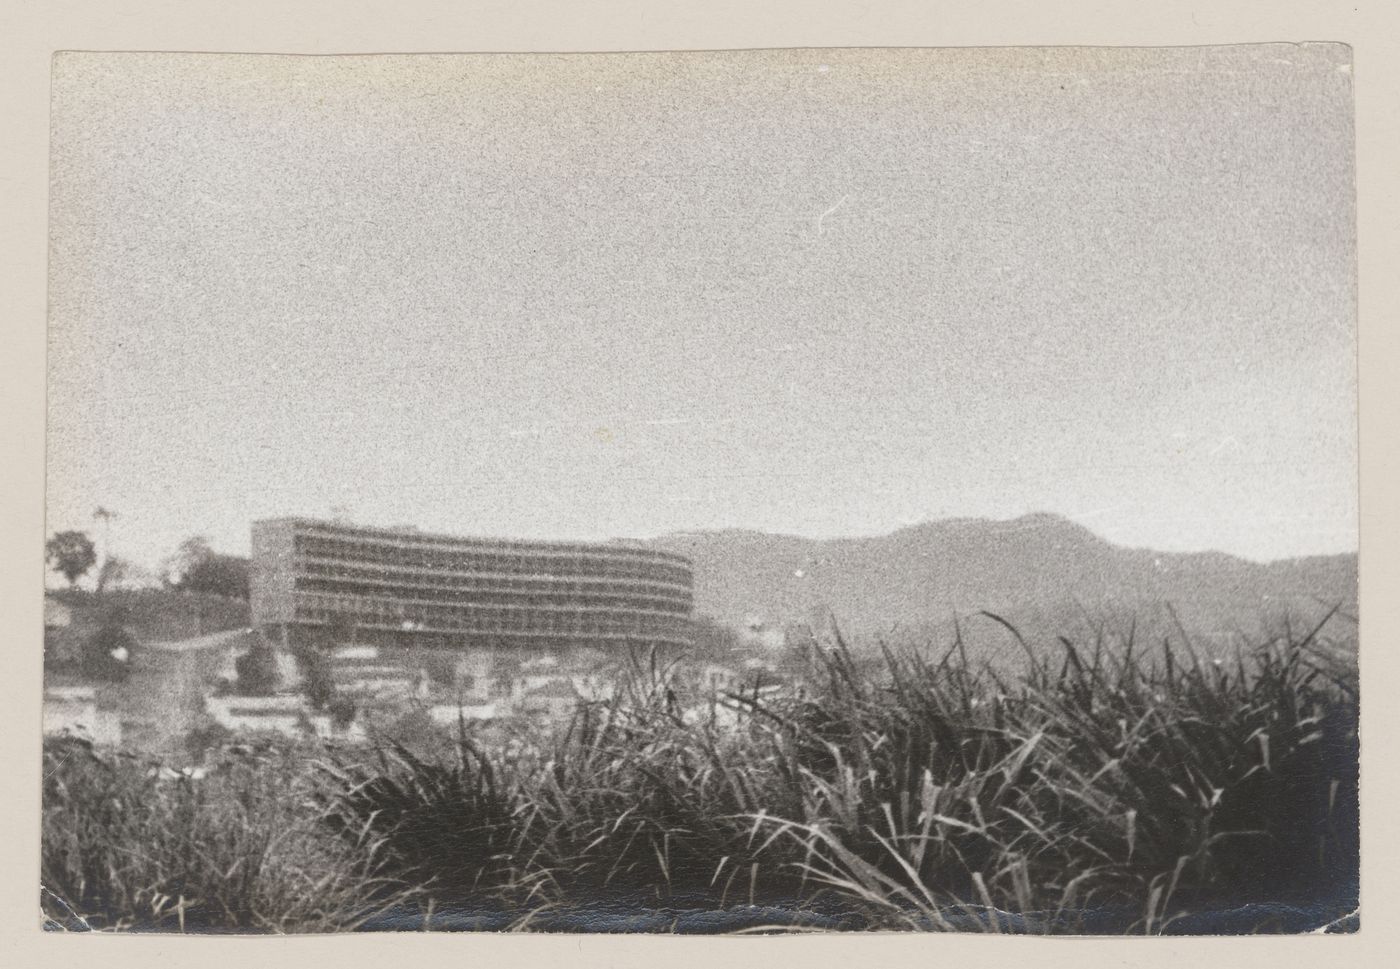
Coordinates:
[159,615]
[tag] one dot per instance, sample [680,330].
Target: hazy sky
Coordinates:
[816,292]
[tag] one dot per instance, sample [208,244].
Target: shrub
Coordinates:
[448,826]
[342,710]
[440,665]
[209,735]
[318,683]
[107,653]
[257,671]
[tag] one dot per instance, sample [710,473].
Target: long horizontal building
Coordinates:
[405,587]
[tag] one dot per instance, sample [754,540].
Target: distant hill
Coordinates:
[1046,574]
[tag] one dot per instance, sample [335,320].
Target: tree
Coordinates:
[342,710]
[257,671]
[196,567]
[319,684]
[114,570]
[317,679]
[107,653]
[191,552]
[220,575]
[71,554]
[106,516]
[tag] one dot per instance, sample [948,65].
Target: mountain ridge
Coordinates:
[1042,568]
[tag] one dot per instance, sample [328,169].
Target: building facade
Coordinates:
[395,587]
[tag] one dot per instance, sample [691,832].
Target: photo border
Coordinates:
[33,32]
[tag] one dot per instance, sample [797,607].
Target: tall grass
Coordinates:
[1115,787]
[1102,783]
[1109,789]
[132,845]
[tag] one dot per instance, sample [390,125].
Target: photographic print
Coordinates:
[816,490]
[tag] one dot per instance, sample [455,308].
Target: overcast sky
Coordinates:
[817,292]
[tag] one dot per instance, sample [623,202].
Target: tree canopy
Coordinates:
[71,554]
[196,567]
[257,671]
[107,653]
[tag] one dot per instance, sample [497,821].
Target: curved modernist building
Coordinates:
[405,587]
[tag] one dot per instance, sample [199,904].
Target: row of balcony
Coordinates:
[503,622]
[603,563]
[413,538]
[474,598]
[423,578]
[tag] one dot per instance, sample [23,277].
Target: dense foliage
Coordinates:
[71,554]
[257,671]
[1113,789]
[106,654]
[197,568]
[130,844]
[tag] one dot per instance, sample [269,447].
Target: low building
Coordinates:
[57,615]
[555,700]
[164,696]
[74,710]
[62,635]
[282,713]
[450,714]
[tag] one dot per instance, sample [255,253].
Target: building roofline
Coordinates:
[433,538]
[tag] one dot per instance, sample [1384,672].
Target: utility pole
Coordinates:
[105,516]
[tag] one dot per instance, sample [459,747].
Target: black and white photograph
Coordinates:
[762,491]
